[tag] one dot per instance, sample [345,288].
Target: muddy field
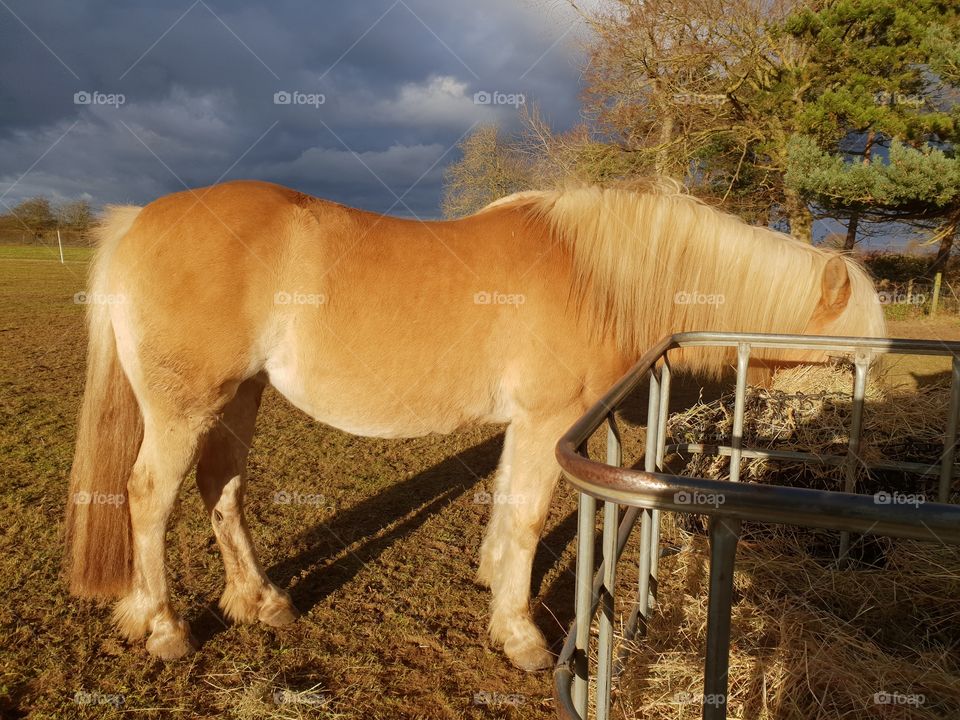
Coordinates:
[376,540]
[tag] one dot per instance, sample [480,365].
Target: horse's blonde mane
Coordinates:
[640,250]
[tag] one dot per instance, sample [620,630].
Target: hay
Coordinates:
[810,640]
[808,409]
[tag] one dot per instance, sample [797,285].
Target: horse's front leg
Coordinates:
[521,502]
[492,549]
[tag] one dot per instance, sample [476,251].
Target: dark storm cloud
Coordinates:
[198,84]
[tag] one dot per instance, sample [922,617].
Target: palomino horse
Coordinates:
[523,313]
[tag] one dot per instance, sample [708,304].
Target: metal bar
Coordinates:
[614,442]
[724,535]
[654,531]
[817,342]
[739,405]
[630,629]
[605,638]
[654,523]
[653,422]
[828,509]
[654,425]
[663,413]
[644,588]
[708,449]
[610,557]
[586,530]
[861,363]
[950,435]
[654,557]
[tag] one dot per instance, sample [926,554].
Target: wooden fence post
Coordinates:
[935,301]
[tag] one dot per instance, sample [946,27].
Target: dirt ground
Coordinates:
[378,547]
[912,371]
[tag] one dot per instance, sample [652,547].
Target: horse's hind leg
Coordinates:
[521,505]
[166,455]
[249,595]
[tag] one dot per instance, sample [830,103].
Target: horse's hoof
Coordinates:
[278,612]
[171,646]
[529,656]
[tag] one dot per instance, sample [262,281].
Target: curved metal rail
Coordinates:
[645,493]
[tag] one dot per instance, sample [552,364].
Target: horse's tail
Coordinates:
[99,555]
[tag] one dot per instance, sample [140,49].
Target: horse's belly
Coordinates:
[362,402]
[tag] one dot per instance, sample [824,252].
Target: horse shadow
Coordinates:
[403,507]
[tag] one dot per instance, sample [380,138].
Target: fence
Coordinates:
[645,493]
[929,296]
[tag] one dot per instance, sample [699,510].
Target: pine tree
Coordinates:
[875,138]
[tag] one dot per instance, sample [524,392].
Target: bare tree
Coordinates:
[35,216]
[490,168]
[705,91]
[76,215]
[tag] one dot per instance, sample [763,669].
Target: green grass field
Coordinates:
[393,625]
[45,253]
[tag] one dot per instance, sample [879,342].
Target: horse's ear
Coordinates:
[834,294]
[835,286]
